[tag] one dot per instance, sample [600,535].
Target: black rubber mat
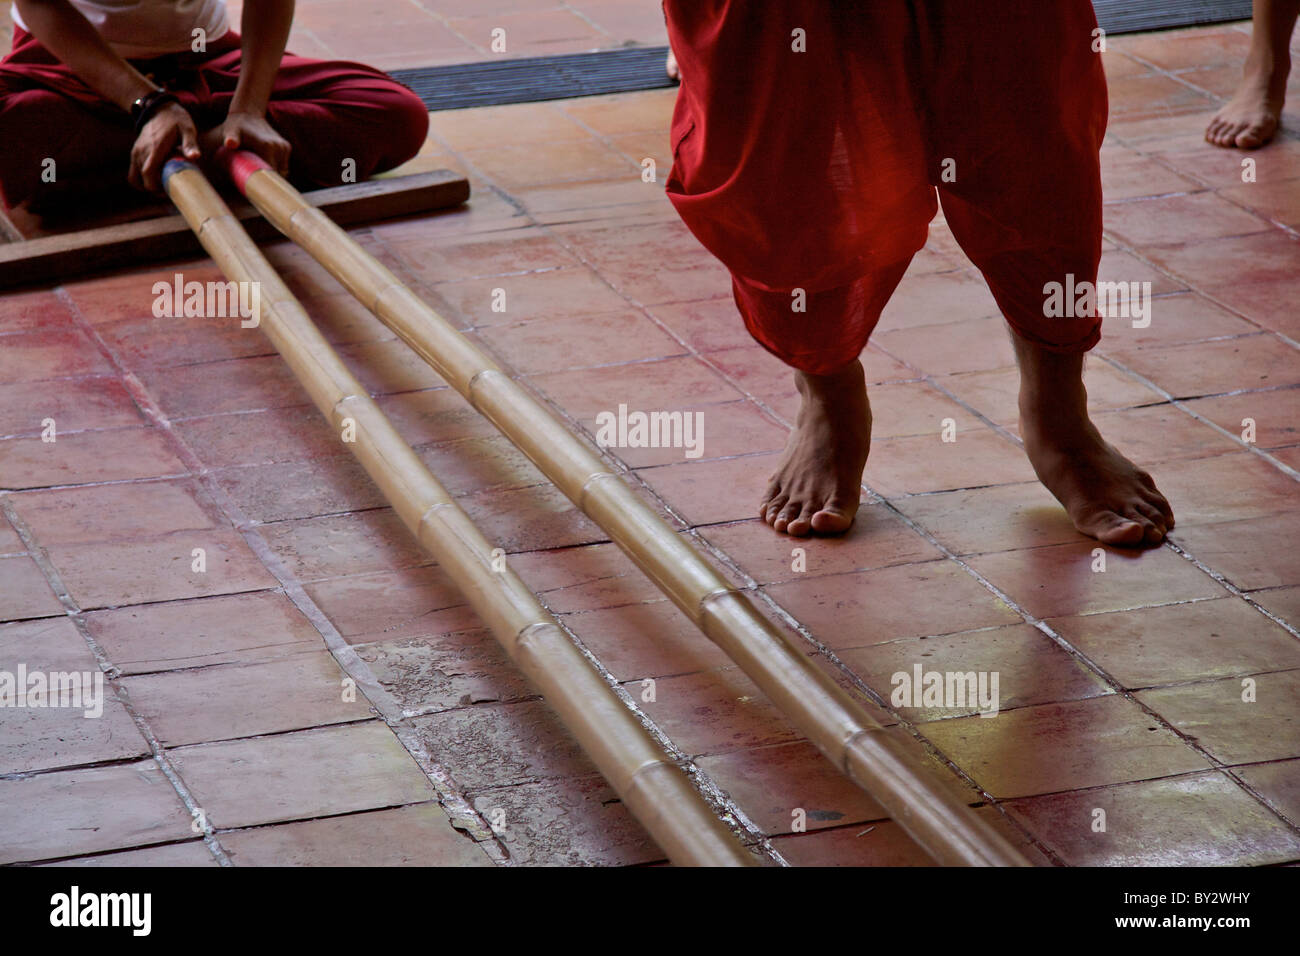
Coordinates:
[530,80]
[1130,16]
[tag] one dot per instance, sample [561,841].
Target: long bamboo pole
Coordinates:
[655,789]
[893,770]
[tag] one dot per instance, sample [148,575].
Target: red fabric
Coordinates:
[820,170]
[328,111]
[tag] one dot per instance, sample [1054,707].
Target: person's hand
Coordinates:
[252,132]
[168,128]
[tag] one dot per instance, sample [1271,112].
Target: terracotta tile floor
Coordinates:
[1161,689]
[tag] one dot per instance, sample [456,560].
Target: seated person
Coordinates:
[96,93]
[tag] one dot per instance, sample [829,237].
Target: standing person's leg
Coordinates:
[1023,113]
[797,162]
[1253,115]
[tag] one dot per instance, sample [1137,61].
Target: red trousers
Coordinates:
[328,111]
[810,138]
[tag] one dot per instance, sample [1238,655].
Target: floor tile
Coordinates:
[115,512]
[45,355]
[1175,318]
[419,835]
[1278,783]
[713,712]
[1255,553]
[1181,642]
[1284,602]
[564,290]
[1275,415]
[445,671]
[1059,580]
[1159,433]
[1231,729]
[1077,744]
[1000,518]
[1208,368]
[87,725]
[1030,668]
[289,490]
[641,387]
[937,299]
[310,773]
[869,607]
[1224,488]
[555,344]
[88,811]
[876,539]
[873,844]
[257,437]
[1202,819]
[966,346]
[334,545]
[494,745]
[567,822]
[1179,218]
[994,393]
[926,463]
[246,700]
[692,487]
[74,406]
[144,570]
[85,457]
[772,784]
[24,592]
[189,853]
[645,640]
[258,626]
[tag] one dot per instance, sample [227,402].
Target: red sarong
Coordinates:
[328,111]
[818,170]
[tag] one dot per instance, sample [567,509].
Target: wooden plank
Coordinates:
[168,237]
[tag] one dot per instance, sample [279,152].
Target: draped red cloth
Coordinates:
[328,111]
[819,169]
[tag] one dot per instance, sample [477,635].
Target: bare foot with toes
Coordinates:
[817,485]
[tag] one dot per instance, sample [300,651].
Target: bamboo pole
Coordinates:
[655,789]
[891,769]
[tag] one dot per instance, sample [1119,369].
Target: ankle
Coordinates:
[834,387]
[1268,69]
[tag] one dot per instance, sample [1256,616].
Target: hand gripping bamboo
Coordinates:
[656,790]
[890,767]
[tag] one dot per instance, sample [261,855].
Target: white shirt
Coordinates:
[139,29]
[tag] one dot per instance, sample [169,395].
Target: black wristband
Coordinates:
[144,108]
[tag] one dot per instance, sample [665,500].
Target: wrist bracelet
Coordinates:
[142,110]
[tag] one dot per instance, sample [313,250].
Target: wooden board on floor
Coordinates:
[168,237]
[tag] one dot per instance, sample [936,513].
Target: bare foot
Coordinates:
[670,67]
[1253,115]
[817,485]
[1106,496]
